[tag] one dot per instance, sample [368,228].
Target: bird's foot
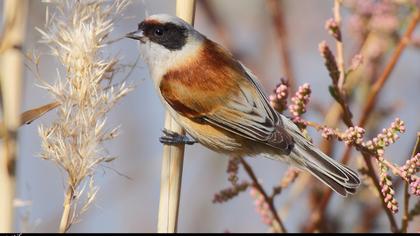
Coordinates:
[173,138]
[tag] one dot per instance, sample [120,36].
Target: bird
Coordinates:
[221,104]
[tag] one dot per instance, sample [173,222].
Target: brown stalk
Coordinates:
[376,88]
[211,14]
[276,9]
[339,45]
[267,199]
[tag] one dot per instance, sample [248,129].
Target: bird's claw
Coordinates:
[173,138]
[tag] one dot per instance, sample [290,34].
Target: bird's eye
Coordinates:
[158,32]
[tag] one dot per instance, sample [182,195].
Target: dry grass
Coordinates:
[77,33]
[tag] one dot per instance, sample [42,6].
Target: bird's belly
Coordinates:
[212,137]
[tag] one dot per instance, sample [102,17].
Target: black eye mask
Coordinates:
[169,35]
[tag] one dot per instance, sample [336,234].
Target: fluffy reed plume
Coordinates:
[77,34]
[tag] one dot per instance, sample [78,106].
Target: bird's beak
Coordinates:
[136,35]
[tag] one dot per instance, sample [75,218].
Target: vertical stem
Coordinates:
[173,156]
[339,45]
[277,16]
[404,220]
[11,74]
[65,217]
[170,183]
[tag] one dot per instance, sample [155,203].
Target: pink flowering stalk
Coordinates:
[386,137]
[354,136]
[351,136]
[230,192]
[278,100]
[289,177]
[386,185]
[333,29]
[233,191]
[408,171]
[329,61]
[411,166]
[415,186]
[299,103]
[262,208]
[232,170]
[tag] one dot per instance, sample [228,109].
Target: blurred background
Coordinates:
[129,186]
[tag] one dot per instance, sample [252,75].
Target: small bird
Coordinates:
[221,104]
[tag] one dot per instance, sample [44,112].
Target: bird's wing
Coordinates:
[250,115]
[233,101]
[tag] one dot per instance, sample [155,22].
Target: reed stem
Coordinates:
[173,156]
[65,217]
[11,73]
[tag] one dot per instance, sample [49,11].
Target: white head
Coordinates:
[165,41]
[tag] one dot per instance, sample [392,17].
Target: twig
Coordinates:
[404,221]
[339,46]
[267,199]
[173,156]
[277,17]
[11,74]
[209,11]
[376,88]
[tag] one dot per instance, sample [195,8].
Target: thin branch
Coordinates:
[339,46]
[210,12]
[277,17]
[267,199]
[376,88]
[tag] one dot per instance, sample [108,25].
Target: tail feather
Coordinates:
[338,177]
[337,187]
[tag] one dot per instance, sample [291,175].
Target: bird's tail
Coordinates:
[338,177]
